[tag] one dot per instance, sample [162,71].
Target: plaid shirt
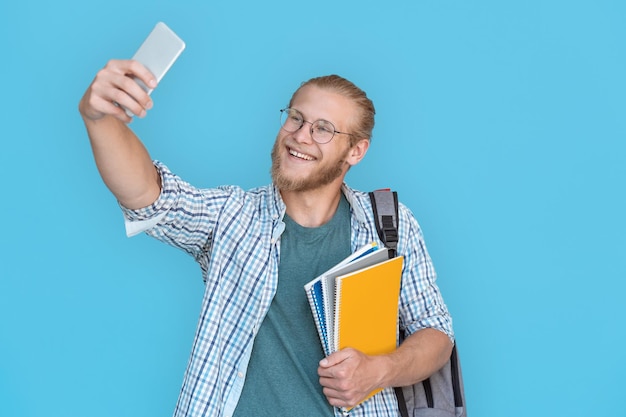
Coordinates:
[235,237]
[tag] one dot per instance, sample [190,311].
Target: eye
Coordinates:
[295,117]
[325,127]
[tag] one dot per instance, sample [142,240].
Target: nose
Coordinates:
[305,133]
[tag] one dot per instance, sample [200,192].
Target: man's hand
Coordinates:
[113,87]
[349,375]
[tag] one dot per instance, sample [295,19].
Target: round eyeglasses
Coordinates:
[322,131]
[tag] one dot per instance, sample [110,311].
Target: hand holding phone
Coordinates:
[158,53]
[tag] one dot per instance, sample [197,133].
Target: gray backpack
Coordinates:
[442,394]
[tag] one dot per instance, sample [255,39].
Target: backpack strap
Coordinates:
[385,206]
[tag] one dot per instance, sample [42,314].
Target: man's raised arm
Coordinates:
[122,160]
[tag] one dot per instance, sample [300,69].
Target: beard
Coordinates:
[323,176]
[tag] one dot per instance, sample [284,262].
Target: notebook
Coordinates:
[321,291]
[366,309]
[355,303]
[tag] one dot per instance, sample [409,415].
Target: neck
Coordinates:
[312,208]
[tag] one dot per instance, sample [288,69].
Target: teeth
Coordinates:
[300,155]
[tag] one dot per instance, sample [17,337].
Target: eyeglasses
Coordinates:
[322,131]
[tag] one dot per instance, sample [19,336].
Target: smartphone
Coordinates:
[158,53]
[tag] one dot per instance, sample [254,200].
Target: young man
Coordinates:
[256,351]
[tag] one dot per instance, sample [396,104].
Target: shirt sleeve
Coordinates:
[421,302]
[183,216]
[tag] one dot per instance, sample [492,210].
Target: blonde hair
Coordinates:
[340,85]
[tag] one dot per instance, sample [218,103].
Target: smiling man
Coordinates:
[256,351]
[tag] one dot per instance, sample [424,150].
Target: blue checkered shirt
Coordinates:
[235,237]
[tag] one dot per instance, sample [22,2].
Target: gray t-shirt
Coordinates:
[282,376]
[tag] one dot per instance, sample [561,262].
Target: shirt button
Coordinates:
[240,374]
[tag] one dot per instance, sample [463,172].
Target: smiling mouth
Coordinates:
[300,155]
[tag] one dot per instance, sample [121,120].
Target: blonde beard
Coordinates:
[319,179]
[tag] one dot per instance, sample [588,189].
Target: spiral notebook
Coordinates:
[355,303]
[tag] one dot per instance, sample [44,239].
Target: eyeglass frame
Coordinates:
[334,131]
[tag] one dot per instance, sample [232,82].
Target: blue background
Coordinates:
[501,124]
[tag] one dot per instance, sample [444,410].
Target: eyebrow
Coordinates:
[314,120]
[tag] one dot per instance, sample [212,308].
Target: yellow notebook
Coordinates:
[321,292]
[366,308]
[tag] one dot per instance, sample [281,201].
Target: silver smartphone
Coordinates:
[158,53]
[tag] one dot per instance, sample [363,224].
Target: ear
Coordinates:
[357,152]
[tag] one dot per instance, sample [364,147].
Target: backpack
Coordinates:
[442,394]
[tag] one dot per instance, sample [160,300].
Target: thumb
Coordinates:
[334,358]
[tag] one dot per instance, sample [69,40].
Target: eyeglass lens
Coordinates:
[291,120]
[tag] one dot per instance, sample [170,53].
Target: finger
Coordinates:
[122,76]
[124,101]
[335,401]
[114,110]
[340,399]
[328,372]
[131,95]
[333,393]
[131,105]
[336,378]
[137,69]
[143,82]
[132,68]
[94,106]
[335,358]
